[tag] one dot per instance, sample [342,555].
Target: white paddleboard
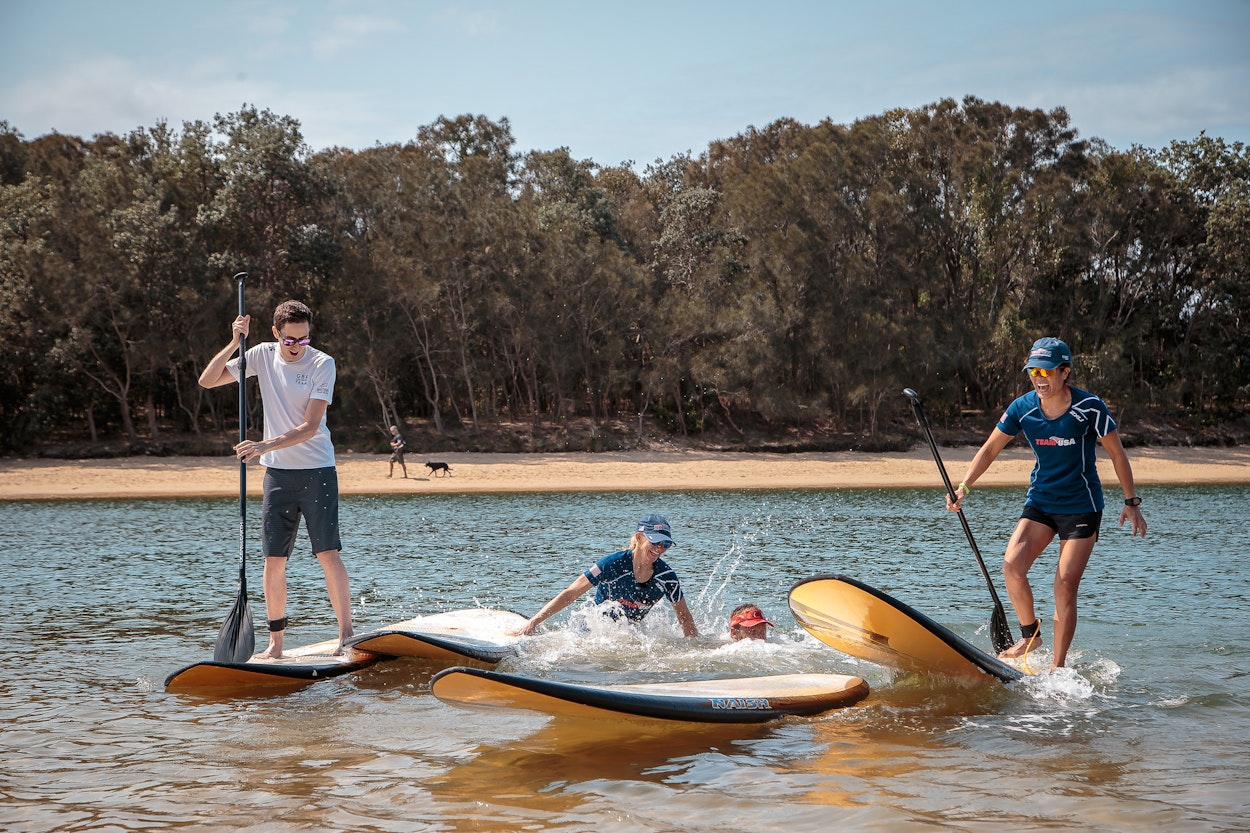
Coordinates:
[477,634]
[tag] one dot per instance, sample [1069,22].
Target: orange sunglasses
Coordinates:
[1043,372]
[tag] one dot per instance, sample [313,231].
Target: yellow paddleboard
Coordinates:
[297,668]
[866,623]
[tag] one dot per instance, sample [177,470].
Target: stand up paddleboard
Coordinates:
[866,623]
[474,634]
[297,668]
[745,700]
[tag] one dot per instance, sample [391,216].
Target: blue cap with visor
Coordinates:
[1048,353]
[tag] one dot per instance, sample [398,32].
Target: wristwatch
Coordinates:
[1132,501]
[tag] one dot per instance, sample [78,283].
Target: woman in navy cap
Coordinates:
[1061,424]
[635,579]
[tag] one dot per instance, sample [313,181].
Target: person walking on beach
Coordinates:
[397,452]
[747,621]
[1060,423]
[635,578]
[296,388]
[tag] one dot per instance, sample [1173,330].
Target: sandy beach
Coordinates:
[147,477]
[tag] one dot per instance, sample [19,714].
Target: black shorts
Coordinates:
[397,456]
[290,493]
[1084,525]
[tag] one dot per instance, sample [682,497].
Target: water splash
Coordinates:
[748,535]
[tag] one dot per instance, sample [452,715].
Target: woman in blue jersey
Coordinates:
[635,579]
[1061,424]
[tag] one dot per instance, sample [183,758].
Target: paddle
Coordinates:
[236,642]
[1000,631]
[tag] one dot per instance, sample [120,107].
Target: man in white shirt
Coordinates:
[296,388]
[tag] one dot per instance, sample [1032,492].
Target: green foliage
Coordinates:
[795,277]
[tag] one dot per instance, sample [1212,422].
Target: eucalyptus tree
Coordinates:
[28,220]
[382,208]
[589,289]
[981,178]
[1211,179]
[698,266]
[466,201]
[263,219]
[115,273]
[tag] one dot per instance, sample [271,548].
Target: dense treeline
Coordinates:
[793,275]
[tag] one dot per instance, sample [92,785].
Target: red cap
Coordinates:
[749,618]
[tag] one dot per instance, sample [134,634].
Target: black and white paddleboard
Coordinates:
[476,634]
[872,625]
[743,700]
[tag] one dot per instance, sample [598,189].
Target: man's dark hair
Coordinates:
[291,312]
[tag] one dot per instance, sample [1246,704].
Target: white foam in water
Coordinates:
[1103,672]
[1063,684]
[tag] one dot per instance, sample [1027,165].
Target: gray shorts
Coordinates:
[290,493]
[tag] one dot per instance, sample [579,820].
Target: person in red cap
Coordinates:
[747,621]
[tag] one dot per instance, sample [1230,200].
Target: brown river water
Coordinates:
[1149,730]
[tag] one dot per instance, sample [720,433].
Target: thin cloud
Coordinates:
[110,94]
[347,32]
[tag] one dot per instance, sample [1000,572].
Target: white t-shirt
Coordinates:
[285,390]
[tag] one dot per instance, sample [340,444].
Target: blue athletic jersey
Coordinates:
[613,576]
[1065,478]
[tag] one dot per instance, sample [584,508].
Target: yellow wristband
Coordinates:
[963,487]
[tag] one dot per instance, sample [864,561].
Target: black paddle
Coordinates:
[236,642]
[1000,631]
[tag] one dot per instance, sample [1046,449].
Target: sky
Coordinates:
[615,82]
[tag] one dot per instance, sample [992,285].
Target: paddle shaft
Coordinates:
[241,277]
[999,621]
[236,641]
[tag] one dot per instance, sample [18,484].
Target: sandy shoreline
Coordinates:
[359,474]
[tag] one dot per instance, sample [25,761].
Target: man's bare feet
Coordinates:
[274,651]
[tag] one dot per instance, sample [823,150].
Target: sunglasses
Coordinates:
[663,544]
[291,342]
[1043,372]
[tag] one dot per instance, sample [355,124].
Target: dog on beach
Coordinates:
[437,467]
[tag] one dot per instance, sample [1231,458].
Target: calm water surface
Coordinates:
[1149,730]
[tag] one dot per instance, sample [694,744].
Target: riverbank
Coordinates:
[359,474]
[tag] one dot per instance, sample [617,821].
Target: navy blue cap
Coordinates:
[656,529]
[1048,353]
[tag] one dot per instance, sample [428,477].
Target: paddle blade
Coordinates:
[1000,631]
[236,642]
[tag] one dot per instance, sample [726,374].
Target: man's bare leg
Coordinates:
[274,583]
[340,593]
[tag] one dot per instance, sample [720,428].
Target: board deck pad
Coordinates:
[742,700]
[296,668]
[867,623]
[477,634]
